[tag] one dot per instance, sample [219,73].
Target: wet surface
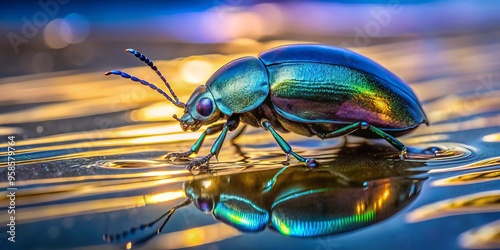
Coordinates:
[89,155]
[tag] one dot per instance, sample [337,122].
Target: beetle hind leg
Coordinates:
[392,140]
[310,162]
[364,126]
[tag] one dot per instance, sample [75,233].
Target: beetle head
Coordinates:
[203,193]
[199,110]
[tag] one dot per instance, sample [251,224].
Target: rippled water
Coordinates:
[90,171]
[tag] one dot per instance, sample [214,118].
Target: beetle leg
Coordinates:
[365,125]
[392,140]
[197,145]
[342,131]
[231,124]
[214,151]
[311,163]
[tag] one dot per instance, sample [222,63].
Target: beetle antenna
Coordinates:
[146,83]
[170,212]
[150,63]
[119,236]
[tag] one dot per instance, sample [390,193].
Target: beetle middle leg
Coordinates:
[363,126]
[197,145]
[310,162]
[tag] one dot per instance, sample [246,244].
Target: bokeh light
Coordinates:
[54,33]
[62,32]
[196,69]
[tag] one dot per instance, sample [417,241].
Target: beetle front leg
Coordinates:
[197,145]
[310,162]
[230,125]
[213,151]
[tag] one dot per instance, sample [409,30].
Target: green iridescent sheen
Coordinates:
[241,213]
[320,226]
[321,92]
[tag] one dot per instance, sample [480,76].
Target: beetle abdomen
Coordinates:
[310,88]
[331,93]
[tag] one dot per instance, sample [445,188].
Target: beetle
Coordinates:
[307,89]
[315,203]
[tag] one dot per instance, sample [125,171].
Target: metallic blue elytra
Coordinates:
[307,89]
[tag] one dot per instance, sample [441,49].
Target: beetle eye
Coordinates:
[204,107]
[205,204]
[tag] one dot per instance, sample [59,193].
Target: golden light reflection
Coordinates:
[195,237]
[72,183]
[483,237]
[89,154]
[80,190]
[39,213]
[492,138]
[162,197]
[386,194]
[453,106]
[120,146]
[206,183]
[482,202]
[466,124]
[469,178]
[96,135]
[65,110]
[10,131]
[151,129]
[479,164]
[166,138]
[360,208]
[426,138]
[162,111]
[128,245]
[377,203]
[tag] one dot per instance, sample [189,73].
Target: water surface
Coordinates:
[89,153]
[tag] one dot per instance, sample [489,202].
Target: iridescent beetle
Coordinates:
[311,90]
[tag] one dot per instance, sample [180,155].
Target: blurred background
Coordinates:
[54,35]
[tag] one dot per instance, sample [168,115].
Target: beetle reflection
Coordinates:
[301,203]
[345,194]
